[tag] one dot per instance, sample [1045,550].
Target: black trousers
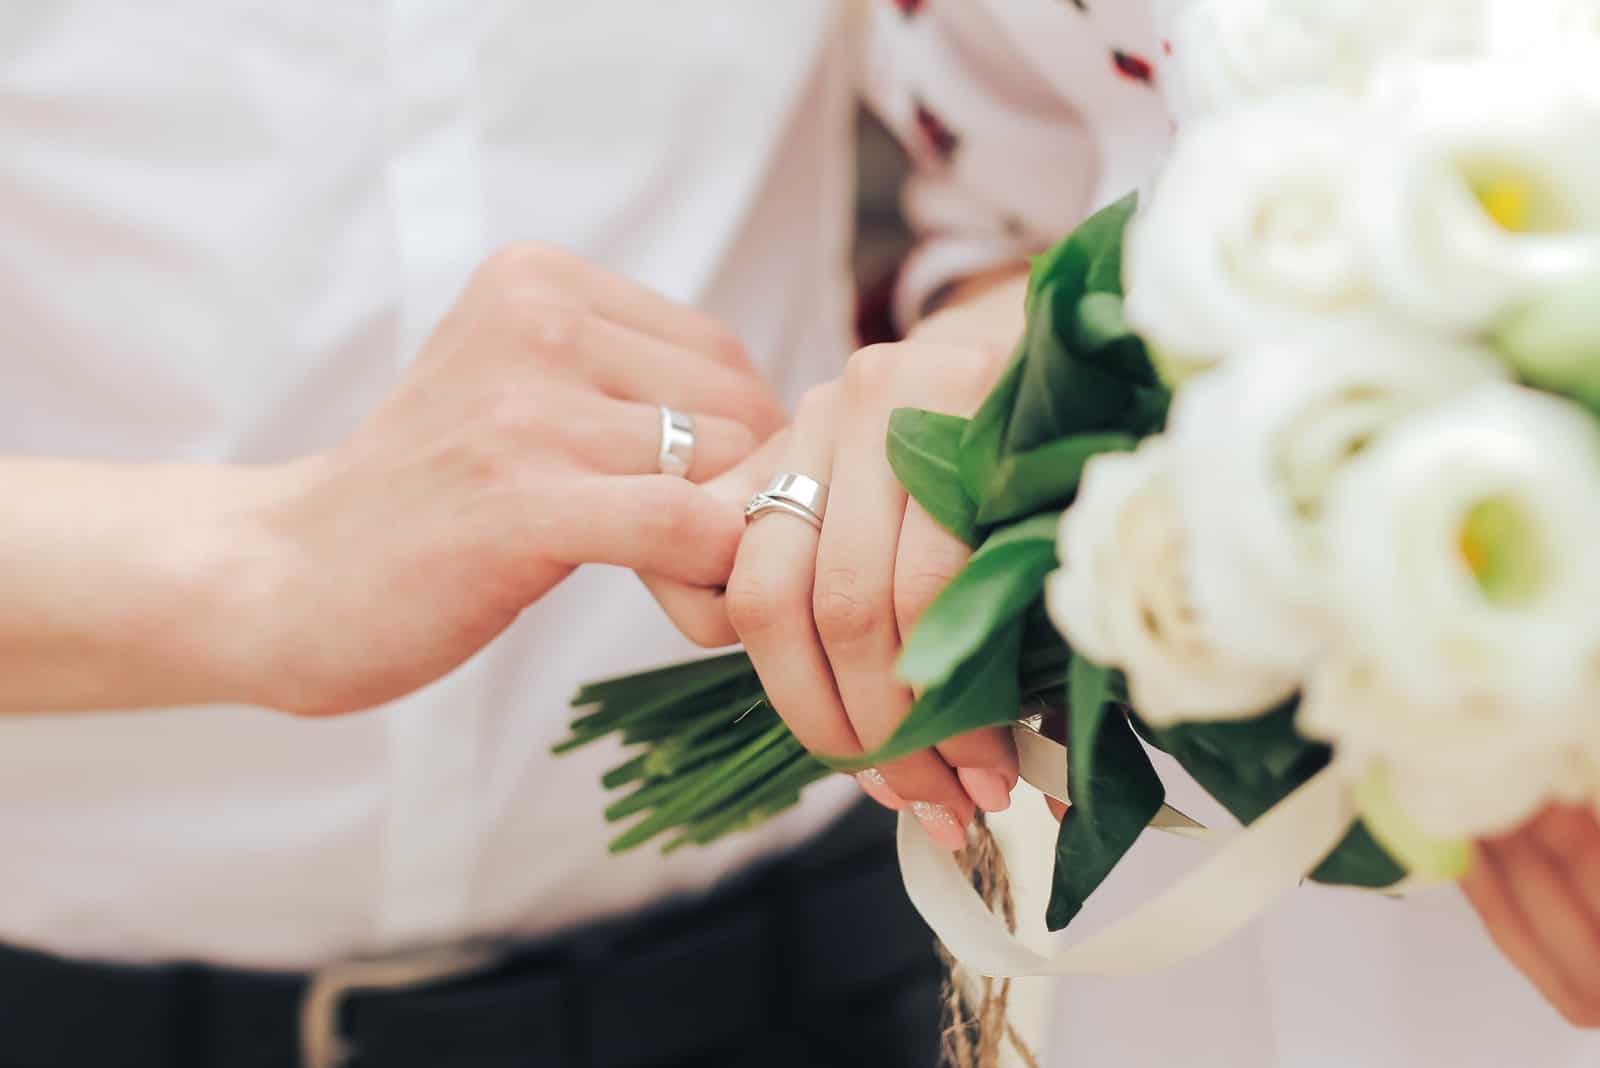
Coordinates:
[812,961]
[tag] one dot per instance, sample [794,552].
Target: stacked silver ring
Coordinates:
[793,494]
[676,454]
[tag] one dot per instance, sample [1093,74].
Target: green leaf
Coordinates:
[1104,233]
[983,444]
[1101,335]
[1090,257]
[924,451]
[1359,861]
[1046,477]
[983,692]
[1098,322]
[1089,260]
[1251,765]
[1095,835]
[996,587]
[1063,392]
[1088,691]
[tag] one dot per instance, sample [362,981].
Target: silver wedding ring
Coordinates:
[677,443]
[797,495]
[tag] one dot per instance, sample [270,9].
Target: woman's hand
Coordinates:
[1538,893]
[824,616]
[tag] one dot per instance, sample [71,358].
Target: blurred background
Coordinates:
[881,235]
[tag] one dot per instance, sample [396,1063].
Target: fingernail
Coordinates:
[989,789]
[877,788]
[941,825]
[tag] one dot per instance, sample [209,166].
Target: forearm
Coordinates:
[126,586]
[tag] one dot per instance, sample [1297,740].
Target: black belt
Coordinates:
[816,960]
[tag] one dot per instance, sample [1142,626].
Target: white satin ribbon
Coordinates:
[1219,897]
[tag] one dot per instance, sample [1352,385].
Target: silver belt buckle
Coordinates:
[321,1045]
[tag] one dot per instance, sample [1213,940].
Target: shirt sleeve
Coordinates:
[1005,158]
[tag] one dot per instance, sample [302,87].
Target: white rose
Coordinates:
[1479,189]
[1457,769]
[1120,597]
[1256,445]
[1250,233]
[1229,53]
[1461,551]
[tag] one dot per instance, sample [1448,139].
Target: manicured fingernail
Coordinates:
[877,788]
[989,789]
[941,825]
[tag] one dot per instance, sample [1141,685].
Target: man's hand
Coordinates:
[1538,893]
[522,442]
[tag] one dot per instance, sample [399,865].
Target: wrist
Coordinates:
[136,586]
[233,574]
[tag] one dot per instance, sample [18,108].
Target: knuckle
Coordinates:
[870,371]
[752,606]
[545,326]
[845,608]
[511,414]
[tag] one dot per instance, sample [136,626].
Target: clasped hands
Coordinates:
[524,442]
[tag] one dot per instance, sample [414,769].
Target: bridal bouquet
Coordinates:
[1295,477]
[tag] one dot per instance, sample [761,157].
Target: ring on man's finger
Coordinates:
[676,454]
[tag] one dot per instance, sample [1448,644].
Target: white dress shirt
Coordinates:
[227,227]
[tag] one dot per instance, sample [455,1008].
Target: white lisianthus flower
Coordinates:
[1256,446]
[1233,52]
[1541,29]
[1560,36]
[1554,342]
[1479,190]
[1461,551]
[1250,233]
[1120,597]
[1456,769]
